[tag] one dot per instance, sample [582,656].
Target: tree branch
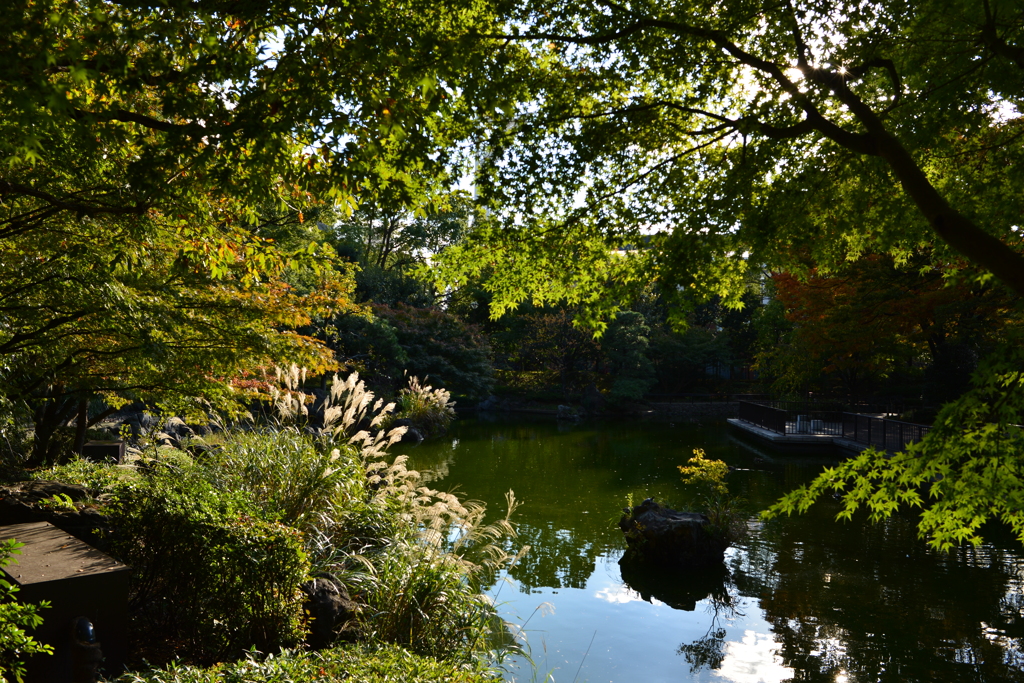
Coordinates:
[7,188]
[191,129]
[997,44]
[894,77]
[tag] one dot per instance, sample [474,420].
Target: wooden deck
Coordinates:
[797,443]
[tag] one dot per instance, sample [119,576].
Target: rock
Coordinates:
[331,611]
[34,491]
[177,429]
[165,439]
[412,436]
[202,429]
[568,413]
[661,536]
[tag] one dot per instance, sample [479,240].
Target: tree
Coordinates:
[149,155]
[259,100]
[90,315]
[625,346]
[441,350]
[368,345]
[392,242]
[874,323]
[682,142]
[793,133]
[541,349]
[388,234]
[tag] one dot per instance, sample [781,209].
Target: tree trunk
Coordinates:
[81,425]
[54,412]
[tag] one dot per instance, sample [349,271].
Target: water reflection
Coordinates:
[678,590]
[753,659]
[802,599]
[873,602]
[558,558]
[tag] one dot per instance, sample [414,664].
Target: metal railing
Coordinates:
[765,416]
[888,435]
[829,420]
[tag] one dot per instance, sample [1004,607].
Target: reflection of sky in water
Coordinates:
[754,659]
[807,599]
[629,635]
[621,594]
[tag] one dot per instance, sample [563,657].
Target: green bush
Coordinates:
[362,664]
[92,475]
[208,572]
[217,570]
[15,619]
[706,481]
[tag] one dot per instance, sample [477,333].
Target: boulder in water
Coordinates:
[661,536]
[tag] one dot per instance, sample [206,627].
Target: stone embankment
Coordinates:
[720,410]
[678,411]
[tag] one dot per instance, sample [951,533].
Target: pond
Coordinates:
[804,598]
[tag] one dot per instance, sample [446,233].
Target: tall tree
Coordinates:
[790,132]
[143,149]
[682,142]
[874,322]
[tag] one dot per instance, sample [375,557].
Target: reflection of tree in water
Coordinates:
[871,601]
[708,651]
[683,590]
[558,558]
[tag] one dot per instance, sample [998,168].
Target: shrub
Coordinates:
[209,573]
[365,664]
[217,571]
[96,476]
[15,620]
[706,480]
[430,410]
[291,477]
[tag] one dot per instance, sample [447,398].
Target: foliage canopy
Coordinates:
[685,143]
[157,166]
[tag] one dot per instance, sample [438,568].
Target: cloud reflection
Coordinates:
[755,659]
[620,594]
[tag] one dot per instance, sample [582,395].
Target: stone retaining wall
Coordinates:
[696,411]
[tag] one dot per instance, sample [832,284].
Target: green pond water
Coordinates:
[804,598]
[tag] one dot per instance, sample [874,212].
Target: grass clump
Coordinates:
[429,410]
[221,542]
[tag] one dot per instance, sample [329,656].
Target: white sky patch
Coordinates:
[1002,111]
[755,659]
